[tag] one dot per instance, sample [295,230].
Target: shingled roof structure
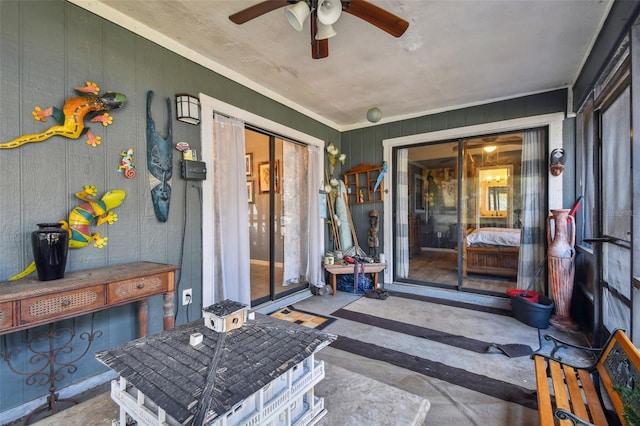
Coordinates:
[225,368]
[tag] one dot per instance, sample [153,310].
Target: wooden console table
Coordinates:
[29,302]
[348,268]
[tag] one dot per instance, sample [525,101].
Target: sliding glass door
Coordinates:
[276,172]
[490,241]
[465,212]
[433,213]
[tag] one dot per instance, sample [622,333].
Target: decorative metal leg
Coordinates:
[557,345]
[49,367]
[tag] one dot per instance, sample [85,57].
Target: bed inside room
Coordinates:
[491,251]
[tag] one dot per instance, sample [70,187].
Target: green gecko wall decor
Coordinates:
[80,219]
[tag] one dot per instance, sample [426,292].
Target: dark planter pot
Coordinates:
[50,246]
[535,314]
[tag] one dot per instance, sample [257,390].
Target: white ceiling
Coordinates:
[455,53]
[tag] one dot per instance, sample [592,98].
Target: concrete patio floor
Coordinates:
[361,390]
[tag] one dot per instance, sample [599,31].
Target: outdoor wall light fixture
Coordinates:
[374,115]
[188,109]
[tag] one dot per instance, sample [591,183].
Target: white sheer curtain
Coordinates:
[402,214]
[534,213]
[315,273]
[295,218]
[231,224]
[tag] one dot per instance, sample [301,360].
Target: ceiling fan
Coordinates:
[324,13]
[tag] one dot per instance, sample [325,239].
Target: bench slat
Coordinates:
[544,397]
[559,389]
[577,400]
[597,414]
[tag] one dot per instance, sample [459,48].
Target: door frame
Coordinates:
[209,105]
[620,80]
[553,121]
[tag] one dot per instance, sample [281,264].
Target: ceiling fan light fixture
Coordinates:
[324,31]
[490,148]
[329,11]
[297,14]
[326,12]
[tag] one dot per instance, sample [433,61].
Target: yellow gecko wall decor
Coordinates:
[71,118]
[80,219]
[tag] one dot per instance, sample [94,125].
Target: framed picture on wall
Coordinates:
[248,164]
[418,193]
[264,172]
[250,191]
[276,176]
[263,177]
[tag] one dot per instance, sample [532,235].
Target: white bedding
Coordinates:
[494,237]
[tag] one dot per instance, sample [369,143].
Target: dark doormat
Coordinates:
[455,303]
[511,350]
[457,376]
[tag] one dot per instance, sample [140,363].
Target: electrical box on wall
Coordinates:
[194,170]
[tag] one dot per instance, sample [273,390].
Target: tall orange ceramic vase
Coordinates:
[561,255]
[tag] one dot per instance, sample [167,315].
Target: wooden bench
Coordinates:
[575,400]
[348,269]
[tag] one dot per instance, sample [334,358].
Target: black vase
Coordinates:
[50,246]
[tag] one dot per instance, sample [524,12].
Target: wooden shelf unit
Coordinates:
[360,182]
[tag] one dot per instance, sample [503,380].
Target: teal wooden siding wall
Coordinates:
[47,48]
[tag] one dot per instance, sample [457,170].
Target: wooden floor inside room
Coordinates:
[260,280]
[430,266]
[441,267]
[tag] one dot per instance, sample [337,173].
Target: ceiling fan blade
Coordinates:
[257,10]
[319,48]
[374,15]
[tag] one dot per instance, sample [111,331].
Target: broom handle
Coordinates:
[353,230]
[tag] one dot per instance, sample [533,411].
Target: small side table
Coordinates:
[28,303]
[348,268]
